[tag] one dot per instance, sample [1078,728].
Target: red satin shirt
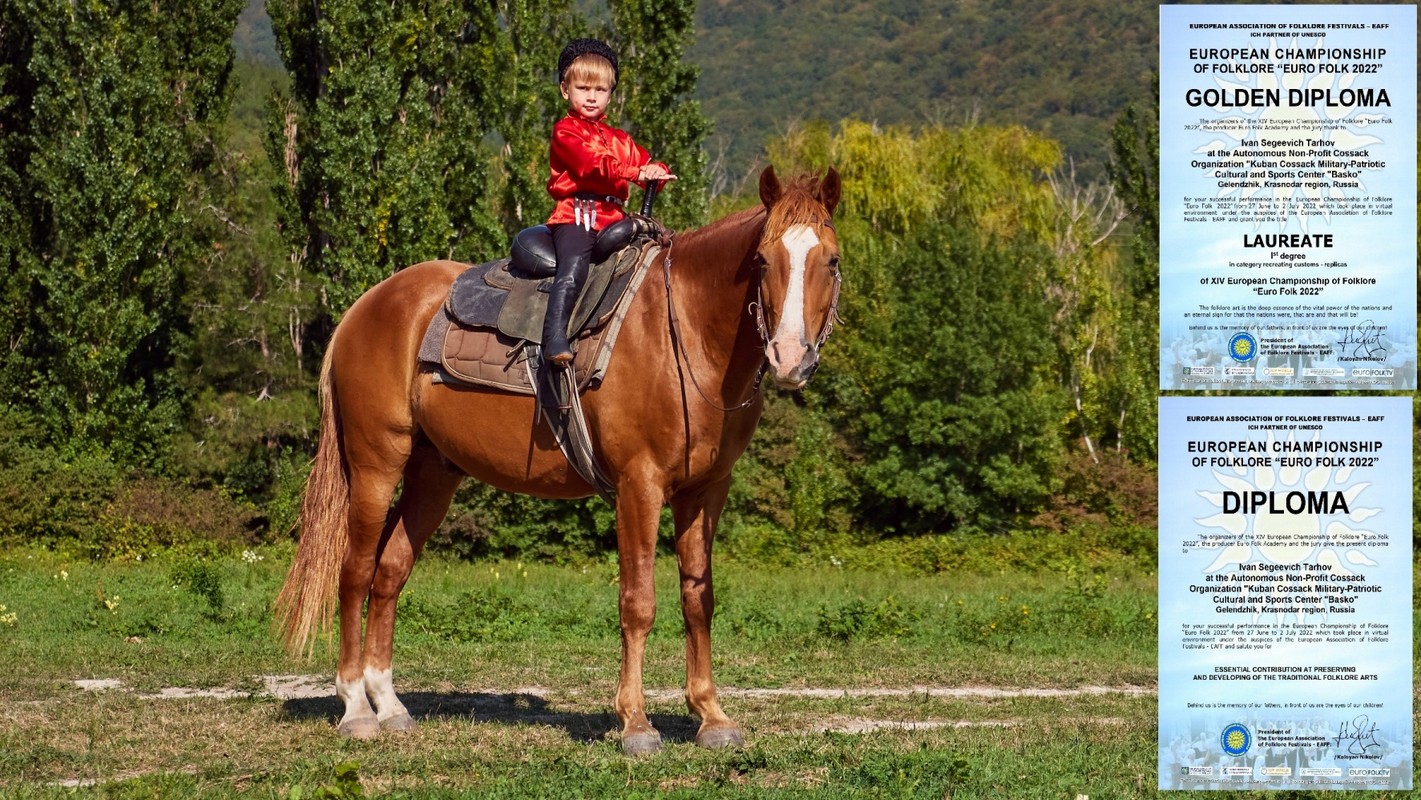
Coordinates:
[591,157]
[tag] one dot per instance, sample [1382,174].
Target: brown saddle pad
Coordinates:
[490,357]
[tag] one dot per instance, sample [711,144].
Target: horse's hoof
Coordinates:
[716,738]
[359,728]
[399,723]
[641,744]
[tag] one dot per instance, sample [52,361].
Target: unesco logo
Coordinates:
[1236,739]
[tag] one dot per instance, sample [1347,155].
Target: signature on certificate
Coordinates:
[1365,339]
[1360,735]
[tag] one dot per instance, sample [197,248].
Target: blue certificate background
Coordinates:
[1195,342]
[1194,713]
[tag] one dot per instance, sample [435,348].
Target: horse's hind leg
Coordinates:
[372,484]
[428,488]
[696,516]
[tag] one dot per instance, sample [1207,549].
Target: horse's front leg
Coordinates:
[696,517]
[638,515]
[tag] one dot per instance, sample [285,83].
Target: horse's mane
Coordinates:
[798,205]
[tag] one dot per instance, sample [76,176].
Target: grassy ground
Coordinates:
[510,669]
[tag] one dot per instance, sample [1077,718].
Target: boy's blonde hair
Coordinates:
[591,68]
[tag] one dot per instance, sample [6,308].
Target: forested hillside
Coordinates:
[1063,68]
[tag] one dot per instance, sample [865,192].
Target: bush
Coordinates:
[484,522]
[1113,490]
[859,620]
[45,495]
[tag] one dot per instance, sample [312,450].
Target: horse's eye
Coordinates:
[834,263]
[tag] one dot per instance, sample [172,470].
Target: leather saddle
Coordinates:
[511,294]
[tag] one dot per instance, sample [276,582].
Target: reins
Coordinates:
[678,344]
[757,308]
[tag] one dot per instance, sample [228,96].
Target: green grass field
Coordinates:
[847,682]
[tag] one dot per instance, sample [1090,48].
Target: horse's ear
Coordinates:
[770,189]
[829,190]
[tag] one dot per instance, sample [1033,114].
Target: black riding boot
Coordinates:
[561,300]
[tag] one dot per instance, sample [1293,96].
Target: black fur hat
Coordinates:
[582,47]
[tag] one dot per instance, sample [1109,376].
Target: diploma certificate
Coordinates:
[1285,593]
[1288,197]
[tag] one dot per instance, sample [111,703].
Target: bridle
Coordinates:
[757,310]
[757,306]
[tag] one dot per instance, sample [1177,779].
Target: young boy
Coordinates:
[590,164]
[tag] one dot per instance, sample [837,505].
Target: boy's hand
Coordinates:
[654,172]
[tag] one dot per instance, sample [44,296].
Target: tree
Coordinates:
[383,138]
[962,424]
[249,370]
[1134,171]
[519,63]
[105,145]
[651,37]
[945,380]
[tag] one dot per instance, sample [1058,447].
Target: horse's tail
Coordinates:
[307,602]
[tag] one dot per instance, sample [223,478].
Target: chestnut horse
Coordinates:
[677,407]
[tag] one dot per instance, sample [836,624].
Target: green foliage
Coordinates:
[859,620]
[920,774]
[1111,490]
[652,37]
[962,429]
[995,623]
[86,504]
[479,615]
[484,522]
[105,146]
[382,138]
[47,496]
[148,514]
[203,579]
[516,57]
[1134,171]
[343,785]
[898,180]
[250,371]
[794,488]
[248,445]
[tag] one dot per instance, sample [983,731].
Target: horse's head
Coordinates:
[799,281]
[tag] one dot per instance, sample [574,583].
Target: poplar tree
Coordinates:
[1134,171]
[519,63]
[386,134]
[651,38]
[107,116]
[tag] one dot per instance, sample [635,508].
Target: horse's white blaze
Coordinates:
[380,686]
[790,333]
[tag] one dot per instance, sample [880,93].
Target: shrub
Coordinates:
[201,578]
[1113,490]
[46,495]
[858,620]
